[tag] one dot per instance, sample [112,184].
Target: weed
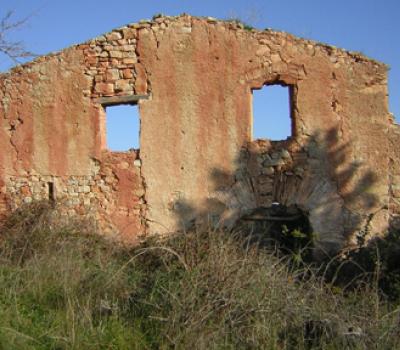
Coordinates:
[241,23]
[64,288]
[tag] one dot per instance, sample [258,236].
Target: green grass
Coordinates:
[63,287]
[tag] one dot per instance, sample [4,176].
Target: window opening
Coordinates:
[122,127]
[52,195]
[272,113]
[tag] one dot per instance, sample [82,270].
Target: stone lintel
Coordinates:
[121,100]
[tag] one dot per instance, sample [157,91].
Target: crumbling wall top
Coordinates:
[234,24]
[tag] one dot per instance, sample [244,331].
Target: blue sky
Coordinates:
[369,26]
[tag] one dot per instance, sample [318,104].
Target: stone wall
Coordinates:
[193,80]
[394,189]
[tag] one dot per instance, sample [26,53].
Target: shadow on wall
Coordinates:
[318,177]
[345,172]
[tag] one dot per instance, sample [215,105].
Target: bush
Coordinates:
[375,262]
[67,289]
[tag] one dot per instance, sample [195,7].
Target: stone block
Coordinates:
[112,74]
[113,36]
[268,170]
[104,88]
[127,73]
[116,54]
[129,33]
[129,61]
[123,85]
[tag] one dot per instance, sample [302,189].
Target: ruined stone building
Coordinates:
[192,79]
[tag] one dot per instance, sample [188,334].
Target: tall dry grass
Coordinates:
[63,287]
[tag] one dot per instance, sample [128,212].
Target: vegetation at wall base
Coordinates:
[63,287]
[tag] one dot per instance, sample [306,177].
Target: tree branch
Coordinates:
[12,49]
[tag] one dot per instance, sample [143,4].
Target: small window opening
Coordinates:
[123,127]
[52,195]
[272,117]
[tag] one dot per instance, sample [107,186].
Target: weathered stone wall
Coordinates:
[54,132]
[394,174]
[197,157]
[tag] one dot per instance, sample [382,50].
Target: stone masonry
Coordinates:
[193,80]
